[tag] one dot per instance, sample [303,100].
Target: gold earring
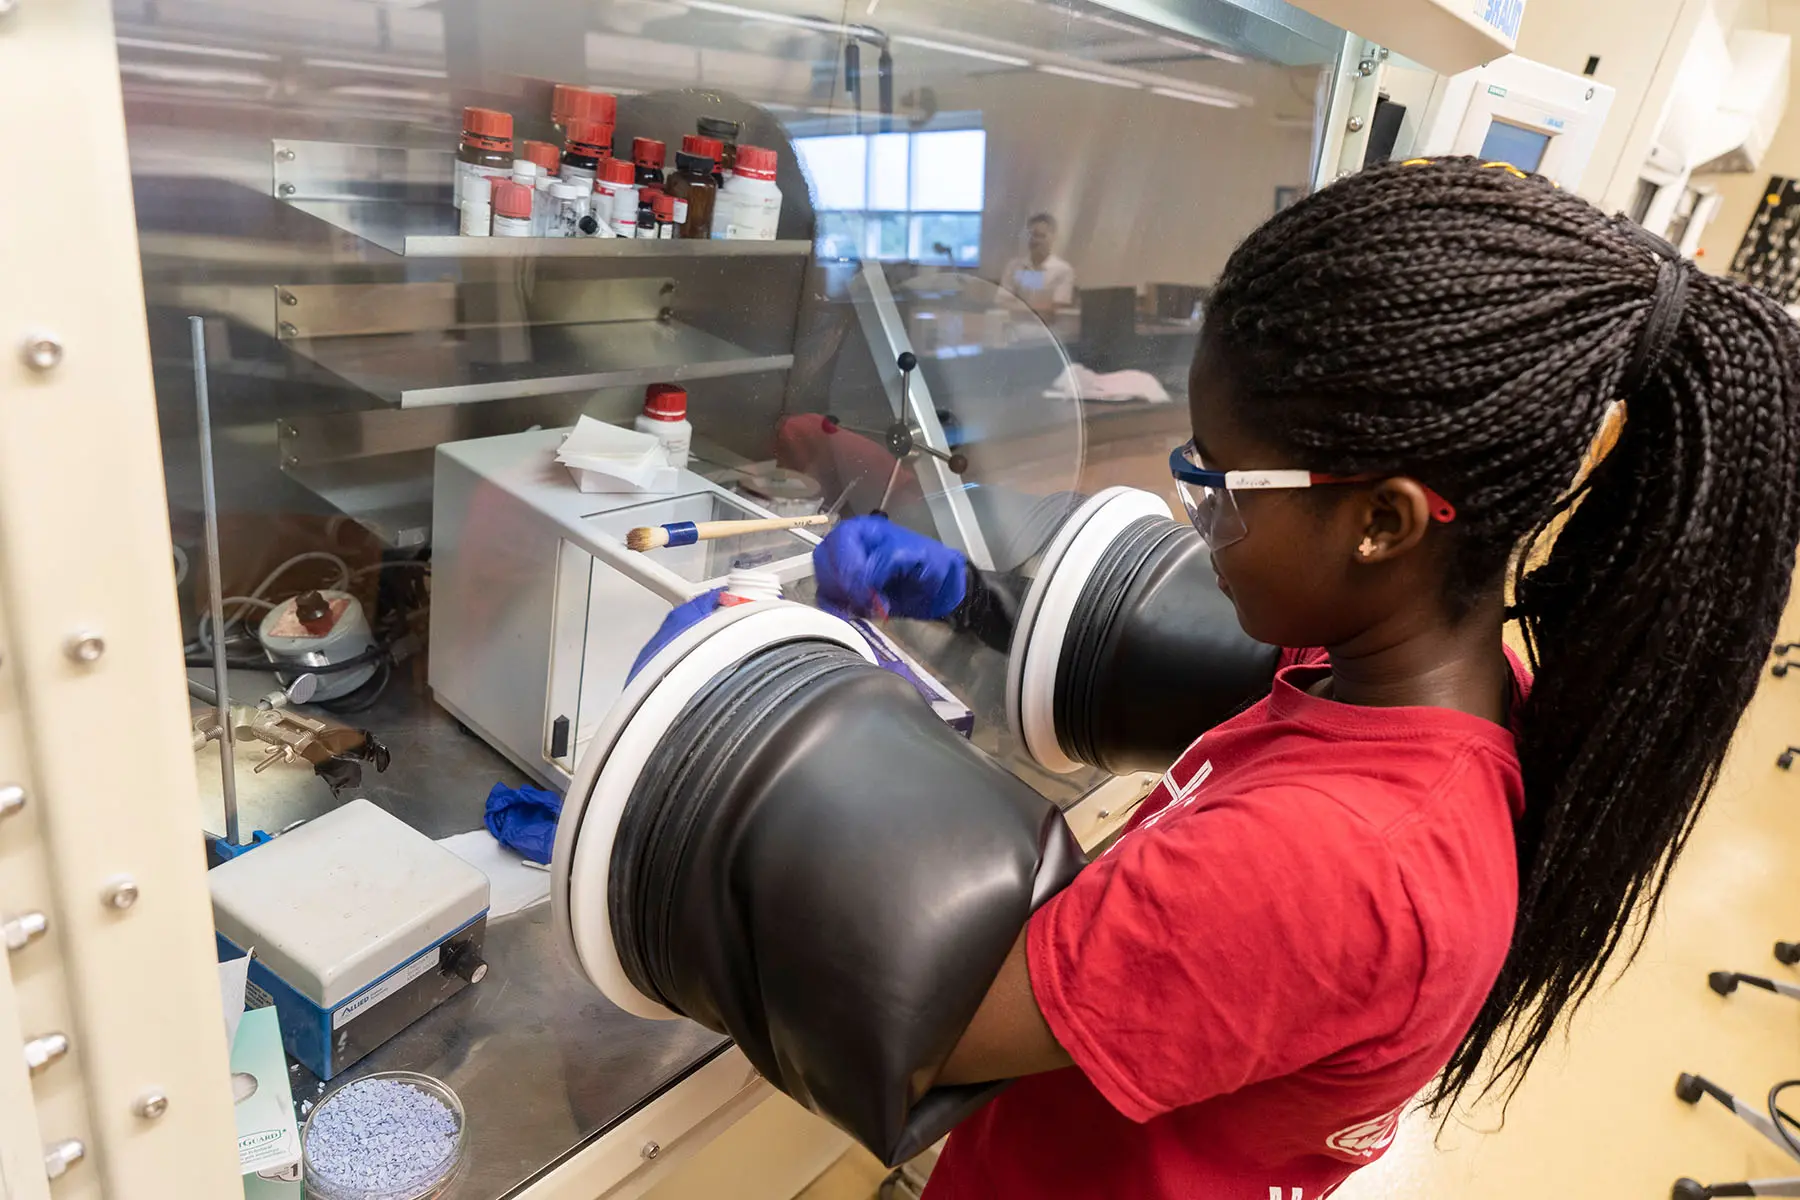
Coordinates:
[1367,548]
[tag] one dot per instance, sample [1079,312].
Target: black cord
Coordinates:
[375,653]
[365,697]
[1780,1119]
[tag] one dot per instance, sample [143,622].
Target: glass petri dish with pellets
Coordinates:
[395,1135]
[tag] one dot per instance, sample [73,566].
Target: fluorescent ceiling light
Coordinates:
[198,51]
[366,91]
[1111,24]
[1011,60]
[816,24]
[1208,51]
[1089,76]
[210,76]
[1196,97]
[341,64]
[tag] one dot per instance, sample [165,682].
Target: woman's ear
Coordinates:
[1398,514]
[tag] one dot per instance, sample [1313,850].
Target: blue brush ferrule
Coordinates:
[682,533]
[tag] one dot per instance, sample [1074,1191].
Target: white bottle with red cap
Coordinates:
[665,418]
[749,205]
[512,209]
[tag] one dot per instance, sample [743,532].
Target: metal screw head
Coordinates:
[1366,67]
[289,299]
[12,799]
[1356,124]
[120,893]
[289,329]
[150,1105]
[85,647]
[41,351]
[284,155]
[287,189]
[651,1150]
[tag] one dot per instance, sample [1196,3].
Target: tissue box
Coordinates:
[268,1141]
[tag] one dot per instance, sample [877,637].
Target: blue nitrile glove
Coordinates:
[869,566]
[523,819]
[680,618]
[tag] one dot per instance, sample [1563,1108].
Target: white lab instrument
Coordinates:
[1445,35]
[317,630]
[361,925]
[1729,95]
[538,608]
[1517,111]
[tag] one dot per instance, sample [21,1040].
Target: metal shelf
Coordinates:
[468,366]
[430,231]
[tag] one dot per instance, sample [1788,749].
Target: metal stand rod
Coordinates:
[209,504]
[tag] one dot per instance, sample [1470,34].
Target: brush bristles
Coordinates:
[653,537]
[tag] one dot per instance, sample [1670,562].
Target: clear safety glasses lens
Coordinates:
[1214,514]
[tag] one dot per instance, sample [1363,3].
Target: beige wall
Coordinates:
[1145,189]
[1740,194]
[1639,42]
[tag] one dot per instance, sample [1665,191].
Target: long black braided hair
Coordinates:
[1471,327]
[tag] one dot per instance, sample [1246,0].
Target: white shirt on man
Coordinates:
[1042,284]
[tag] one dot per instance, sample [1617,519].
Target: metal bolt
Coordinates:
[40,1052]
[665,315]
[1104,813]
[121,892]
[41,351]
[12,799]
[289,299]
[85,647]
[24,929]
[650,1150]
[287,189]
[150,1105]
[60,1156]
[292,460]
[289,329]
[1356,124]
[284,155]
[1366,67]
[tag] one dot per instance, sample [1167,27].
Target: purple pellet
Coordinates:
[379,1137]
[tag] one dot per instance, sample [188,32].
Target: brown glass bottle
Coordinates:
[691,184]
[485,148]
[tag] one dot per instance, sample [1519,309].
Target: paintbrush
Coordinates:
[686,533]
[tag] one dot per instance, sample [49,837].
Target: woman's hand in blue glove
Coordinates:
[869,566]
[679,620]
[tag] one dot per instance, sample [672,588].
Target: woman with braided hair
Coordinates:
[1402,869]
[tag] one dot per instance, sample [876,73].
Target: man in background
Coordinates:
[1039,277]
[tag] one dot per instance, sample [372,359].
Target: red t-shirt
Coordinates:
[1285,945]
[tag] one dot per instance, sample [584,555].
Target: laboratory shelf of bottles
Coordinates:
[429,230]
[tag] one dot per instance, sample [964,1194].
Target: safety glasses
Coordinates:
[1207,495]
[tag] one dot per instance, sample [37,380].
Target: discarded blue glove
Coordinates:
[681,618]
[523,819]
[869,566]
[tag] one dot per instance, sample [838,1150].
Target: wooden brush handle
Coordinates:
[706,531]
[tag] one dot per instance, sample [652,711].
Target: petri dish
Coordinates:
[341,1171]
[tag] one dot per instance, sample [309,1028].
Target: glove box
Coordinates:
[537,607]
